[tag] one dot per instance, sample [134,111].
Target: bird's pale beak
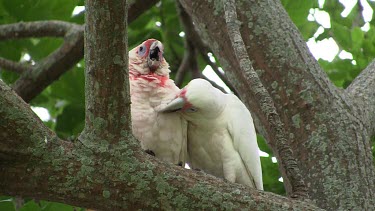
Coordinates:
[175,105]
[155,56]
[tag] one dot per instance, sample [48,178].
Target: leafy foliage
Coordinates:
[64,99]
[11,204]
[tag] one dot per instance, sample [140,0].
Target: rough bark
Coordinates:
[327,135]
[283,151]
[107,87]
[362,94]
[14,66]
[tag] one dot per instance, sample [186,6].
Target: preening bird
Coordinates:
[164,134]
[221,134]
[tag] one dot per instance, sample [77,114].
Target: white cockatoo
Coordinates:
[221,134]
[164,134]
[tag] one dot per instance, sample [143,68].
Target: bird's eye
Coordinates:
[191,110]
[142,50]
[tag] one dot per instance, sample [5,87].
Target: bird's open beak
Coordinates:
[175,105]
[155,56]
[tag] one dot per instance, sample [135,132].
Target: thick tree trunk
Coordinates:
[329,137]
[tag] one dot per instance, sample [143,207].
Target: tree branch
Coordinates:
[185,65]
[328,140]
[284,151]
[20,128]
[362,93]
[16,67]
[107,85]
[35,29]
[33,82]
[136,8]
[198,44]
[215,68]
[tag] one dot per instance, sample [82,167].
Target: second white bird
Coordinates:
[221,134]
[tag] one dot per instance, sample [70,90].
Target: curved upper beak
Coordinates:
[155,56]
[175,105]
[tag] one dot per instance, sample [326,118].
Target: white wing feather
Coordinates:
[242,130]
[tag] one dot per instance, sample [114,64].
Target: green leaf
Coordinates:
[54,206]
[31,10]
[30,206]
[263,145]
[71,121]
[298,10]
[70,87]
[308,29]
[6,203]
[41,48]
[324,35]
[357,36]
[271,176]
[342,35]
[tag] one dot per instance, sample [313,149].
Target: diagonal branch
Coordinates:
[362,91]
[284,151]
[31,83]
[215,68]
[136,8]
[195,40]
[16,67]
[185,65]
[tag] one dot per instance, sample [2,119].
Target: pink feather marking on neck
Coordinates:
[150,78]
[187,104]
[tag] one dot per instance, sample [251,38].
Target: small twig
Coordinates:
[283,150]
[184,66]
[189,61]
[215,68]
[191,34]
[213,83]
[16,67]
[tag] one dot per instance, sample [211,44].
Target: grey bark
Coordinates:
[330,140]
[14,66]
[295,187]
[362,93]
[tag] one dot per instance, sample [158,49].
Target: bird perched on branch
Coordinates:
[163,134]
[221,134]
